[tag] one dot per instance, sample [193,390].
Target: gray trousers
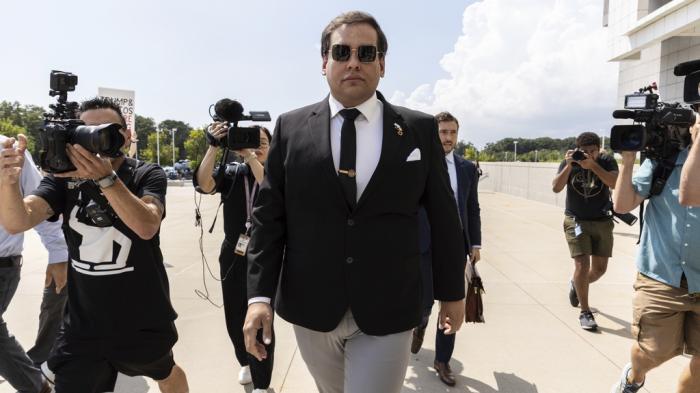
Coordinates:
[50,319]
[346,360]
[15,365]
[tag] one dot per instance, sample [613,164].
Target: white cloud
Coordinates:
[525,69]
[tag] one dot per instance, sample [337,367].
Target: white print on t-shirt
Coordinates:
[97,249]
[586,184]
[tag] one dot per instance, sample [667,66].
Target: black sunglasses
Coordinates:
[365,53]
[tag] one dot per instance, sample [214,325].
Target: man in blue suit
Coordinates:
[464,180]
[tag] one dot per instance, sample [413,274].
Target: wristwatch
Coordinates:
[107,181]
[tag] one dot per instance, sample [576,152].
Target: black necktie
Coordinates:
[348,152]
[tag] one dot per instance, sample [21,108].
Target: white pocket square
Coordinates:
[414,156]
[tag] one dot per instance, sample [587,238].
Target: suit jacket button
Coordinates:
[351,222]
[348,260]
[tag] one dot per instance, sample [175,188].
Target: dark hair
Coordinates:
[103,103]
[352,18]
[446,116]
[266,131]
[588,139]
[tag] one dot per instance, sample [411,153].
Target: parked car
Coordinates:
[171,173]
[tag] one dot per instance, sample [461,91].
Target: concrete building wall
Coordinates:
[523,179]
[650,37]
[529,180]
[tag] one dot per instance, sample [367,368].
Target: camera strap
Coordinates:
[658,181]
[662,172]
[249,199]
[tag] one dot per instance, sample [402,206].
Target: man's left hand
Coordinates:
[475,255]
[88,165]
[58,273]
[588,163]
[451,316]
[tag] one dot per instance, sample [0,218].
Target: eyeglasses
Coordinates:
[365,53]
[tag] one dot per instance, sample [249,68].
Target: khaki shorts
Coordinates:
[596,237]
[666,320]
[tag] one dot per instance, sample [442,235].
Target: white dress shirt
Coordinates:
[50,232]
[452,170]
[370,133]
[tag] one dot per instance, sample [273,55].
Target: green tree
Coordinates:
[150,152]
[196,146]
[471,153]
[181,135]
[144,127]
[29,118]
[10,129]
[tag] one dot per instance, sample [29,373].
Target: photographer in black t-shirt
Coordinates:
[588,176]
[238,185]
[119,317]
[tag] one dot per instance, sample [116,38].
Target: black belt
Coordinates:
[12,261]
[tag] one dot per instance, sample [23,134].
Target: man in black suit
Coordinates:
[335,227]
[464,181]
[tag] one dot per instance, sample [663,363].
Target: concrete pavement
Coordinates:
[530,343]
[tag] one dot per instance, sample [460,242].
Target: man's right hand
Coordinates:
[12,159]
[568,157]
[259,316]
[218,130]
[57,273]
[451,316]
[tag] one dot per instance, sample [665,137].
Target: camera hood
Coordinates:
[628,138]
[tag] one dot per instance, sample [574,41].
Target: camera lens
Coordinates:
[632,140]
[104,139]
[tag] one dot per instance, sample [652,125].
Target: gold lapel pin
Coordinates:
[399,130]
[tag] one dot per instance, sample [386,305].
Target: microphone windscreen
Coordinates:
[623,114]
[229,110]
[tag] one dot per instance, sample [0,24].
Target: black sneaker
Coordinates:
[587,321]
[573,297]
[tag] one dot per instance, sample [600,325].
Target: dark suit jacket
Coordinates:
[468,201]
[317,258]
[470,217]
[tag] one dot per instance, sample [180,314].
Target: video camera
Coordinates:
[62,126]
[231,112]
[666,126]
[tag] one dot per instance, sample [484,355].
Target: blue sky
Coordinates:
[180,57]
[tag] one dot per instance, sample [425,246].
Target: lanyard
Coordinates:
[249,203]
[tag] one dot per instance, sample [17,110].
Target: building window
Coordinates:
[650,6]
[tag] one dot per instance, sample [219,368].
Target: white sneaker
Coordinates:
[244,377]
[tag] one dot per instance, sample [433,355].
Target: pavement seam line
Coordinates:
[289,367]
[576,333]
[544,306]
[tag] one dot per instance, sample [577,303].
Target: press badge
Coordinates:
[242,245]
[577,231]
